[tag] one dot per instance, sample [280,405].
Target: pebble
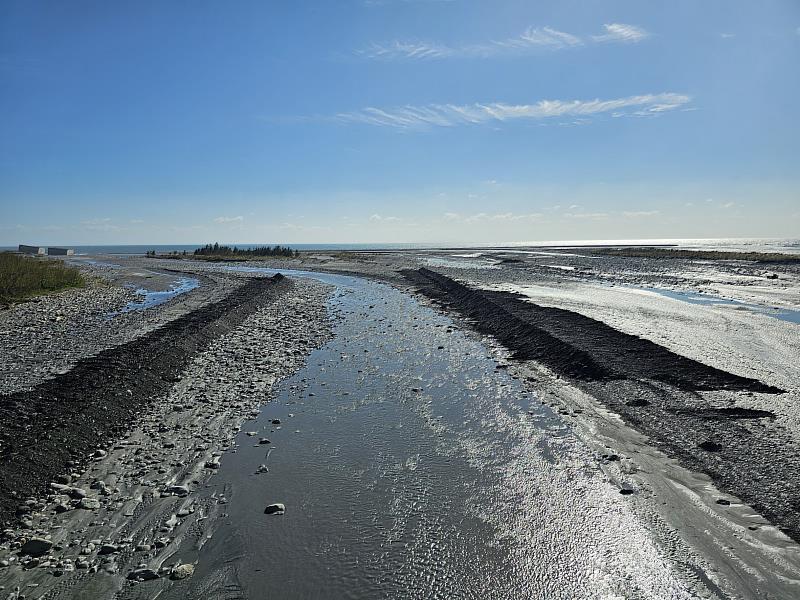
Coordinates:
[36,547]
[275,509]
[89,504]
[177,490]
[143,574]
[182,572]
[107,549]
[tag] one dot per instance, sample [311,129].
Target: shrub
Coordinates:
[24,276]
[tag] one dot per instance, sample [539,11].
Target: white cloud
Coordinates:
[587,216]
[379,218]
[238,219]
[727,36]
[482,217]
[449,115]
[536,37]
[632,214]
[417,50]
[533,38]
[620,32]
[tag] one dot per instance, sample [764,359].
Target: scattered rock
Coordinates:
[710,446]
[275,509]
[144,574]
[89,503]
[177,490]
[36,547]
[638,402]
[107,549]
[182,572]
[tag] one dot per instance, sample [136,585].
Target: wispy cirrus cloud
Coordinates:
[238,219]
[635,214]
[376,218]
[620,32]
[450,115]
[533,38]
[482,217]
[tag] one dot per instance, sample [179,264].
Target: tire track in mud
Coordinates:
[654,390]
[53,427]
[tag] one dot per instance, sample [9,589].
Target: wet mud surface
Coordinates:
[55,426]
[653,389]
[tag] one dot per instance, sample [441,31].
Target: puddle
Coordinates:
[784,314]
[460,264]
[149,298]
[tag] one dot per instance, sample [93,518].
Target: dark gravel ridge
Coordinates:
[572,344]
[55,426]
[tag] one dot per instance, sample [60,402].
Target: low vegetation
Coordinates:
[765,257]
[23,277]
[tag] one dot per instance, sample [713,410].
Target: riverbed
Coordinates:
[412,464]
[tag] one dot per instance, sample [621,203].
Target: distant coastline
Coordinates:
[786,245]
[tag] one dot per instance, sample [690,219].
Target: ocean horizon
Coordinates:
[787,245]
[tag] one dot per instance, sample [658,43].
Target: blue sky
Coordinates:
[457,121]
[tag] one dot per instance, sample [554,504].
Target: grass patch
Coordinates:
[23,277]
[764,257]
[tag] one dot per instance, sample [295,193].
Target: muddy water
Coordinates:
[411,466]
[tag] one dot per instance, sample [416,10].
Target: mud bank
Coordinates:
[54,427]
[653,389]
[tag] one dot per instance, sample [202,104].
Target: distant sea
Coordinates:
[790,246]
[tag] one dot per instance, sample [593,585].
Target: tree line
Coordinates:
[216,250]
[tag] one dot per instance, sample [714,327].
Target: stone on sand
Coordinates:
[275,509]
[36,547]
[182,572]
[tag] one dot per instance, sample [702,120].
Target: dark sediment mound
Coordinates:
[63,420]
[572,344]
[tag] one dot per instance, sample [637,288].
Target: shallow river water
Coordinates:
[411,466]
